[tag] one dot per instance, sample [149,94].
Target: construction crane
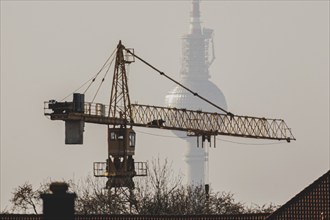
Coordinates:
[121,116]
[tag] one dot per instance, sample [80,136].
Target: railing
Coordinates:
[141,168]
[100,169]
[95,109]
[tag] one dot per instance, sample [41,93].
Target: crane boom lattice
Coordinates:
[193,122]
[206,123]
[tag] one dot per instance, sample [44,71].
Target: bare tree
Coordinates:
[25,198]
[94,198]
[155,192]
[91,198]
[160,193]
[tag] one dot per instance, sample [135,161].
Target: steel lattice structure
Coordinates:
[206,123]
[120,101]
[193,122]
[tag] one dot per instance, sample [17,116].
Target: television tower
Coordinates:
[197,57]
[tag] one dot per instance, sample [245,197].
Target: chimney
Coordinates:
[59,204]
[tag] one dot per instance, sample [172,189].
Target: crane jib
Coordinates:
[194,122]
[207,123]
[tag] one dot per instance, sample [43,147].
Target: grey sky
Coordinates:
[272,60]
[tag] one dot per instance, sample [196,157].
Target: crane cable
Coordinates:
[91,80]
[104,65]
[105,75]
[176,82]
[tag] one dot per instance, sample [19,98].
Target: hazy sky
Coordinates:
[272,60]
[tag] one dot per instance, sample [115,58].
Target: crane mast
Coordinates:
[119,101]
[121,116]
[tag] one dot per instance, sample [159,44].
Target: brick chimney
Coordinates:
[59,204]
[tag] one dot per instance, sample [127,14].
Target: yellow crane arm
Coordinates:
[207,123]
[193,122]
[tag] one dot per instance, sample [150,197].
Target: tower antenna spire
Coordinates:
[195,23]
[195,9]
